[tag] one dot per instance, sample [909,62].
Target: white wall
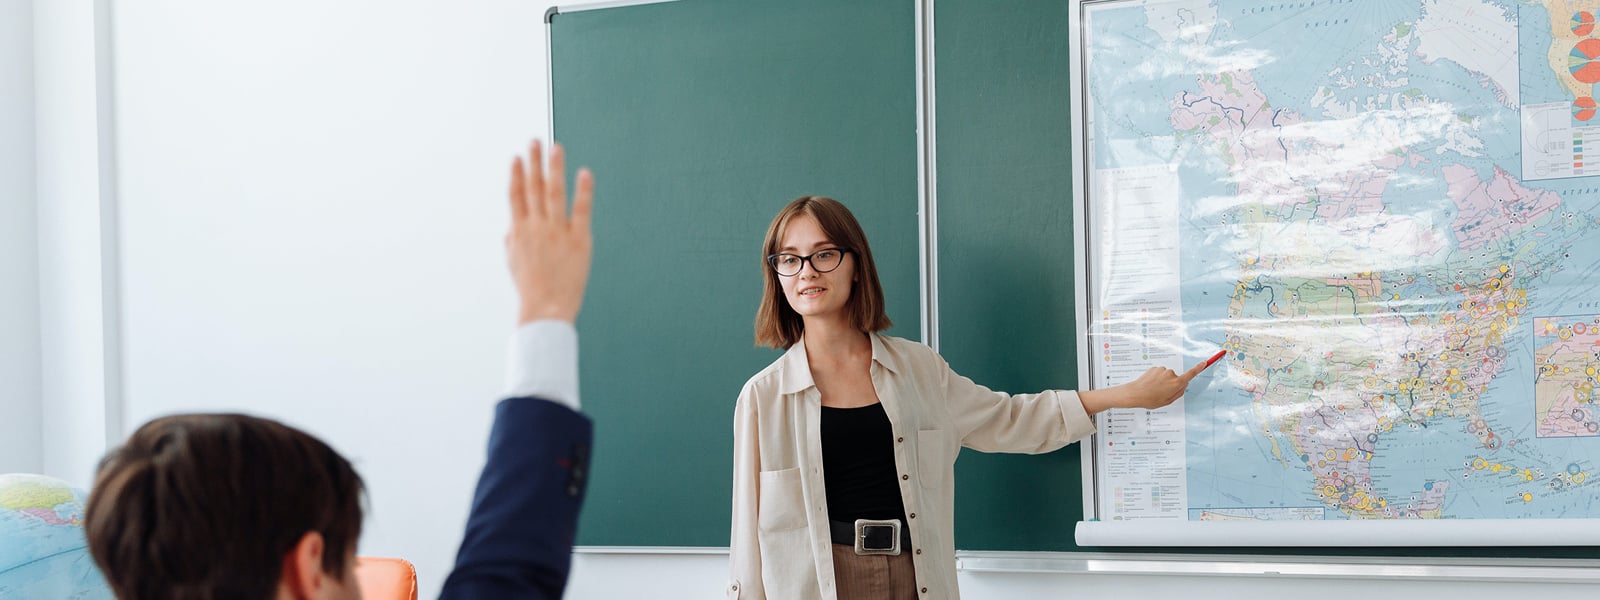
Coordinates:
[312,202]
[19,255]
[71,323]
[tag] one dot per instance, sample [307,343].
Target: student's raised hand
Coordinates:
[548,250]
[1157,387]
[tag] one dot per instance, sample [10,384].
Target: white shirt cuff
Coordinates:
[543,362]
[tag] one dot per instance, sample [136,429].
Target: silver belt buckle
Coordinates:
[862,526]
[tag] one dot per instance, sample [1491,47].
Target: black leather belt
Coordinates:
[871,537]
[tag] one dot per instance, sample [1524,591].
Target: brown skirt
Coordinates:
[873,577]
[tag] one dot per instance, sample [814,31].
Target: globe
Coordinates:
[43,552]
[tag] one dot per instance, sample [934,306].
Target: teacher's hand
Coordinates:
[549,251]
[1157,387]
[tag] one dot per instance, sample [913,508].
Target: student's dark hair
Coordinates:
[777,324]
[206,506]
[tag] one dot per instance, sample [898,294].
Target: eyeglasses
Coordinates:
[822,261]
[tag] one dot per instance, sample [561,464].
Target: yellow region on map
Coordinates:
[1567,360]
[19,497]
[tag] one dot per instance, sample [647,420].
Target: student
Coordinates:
[208,506]
[844,448]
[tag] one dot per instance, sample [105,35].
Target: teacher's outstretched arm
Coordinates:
[1157,387]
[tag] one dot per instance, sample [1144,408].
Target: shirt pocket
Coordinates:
[782,507]
[933,457]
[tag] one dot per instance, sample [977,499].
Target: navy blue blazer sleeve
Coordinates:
[524,517]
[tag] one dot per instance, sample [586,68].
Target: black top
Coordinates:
[858,464]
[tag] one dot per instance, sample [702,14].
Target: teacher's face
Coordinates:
[811,293]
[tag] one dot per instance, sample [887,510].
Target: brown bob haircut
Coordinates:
[777,324]
[206,506]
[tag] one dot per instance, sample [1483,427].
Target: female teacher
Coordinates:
[844,448]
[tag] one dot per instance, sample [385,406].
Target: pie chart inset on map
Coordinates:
[1583,23]
[1583,108]
[1582,61]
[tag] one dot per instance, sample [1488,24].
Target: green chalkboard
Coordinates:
[701,119]
[1004,191]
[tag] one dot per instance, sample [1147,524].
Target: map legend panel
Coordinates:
[1552,144]
[1139,327]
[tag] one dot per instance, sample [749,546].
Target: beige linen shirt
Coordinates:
[781,547]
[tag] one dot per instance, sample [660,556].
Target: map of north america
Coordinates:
[1412,317]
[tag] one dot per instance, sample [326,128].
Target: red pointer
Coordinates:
[1216,357]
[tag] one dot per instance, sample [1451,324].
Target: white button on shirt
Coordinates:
[781,545]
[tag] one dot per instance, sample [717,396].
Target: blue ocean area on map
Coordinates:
[1408,307]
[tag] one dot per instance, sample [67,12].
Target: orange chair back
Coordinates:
[386,578]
